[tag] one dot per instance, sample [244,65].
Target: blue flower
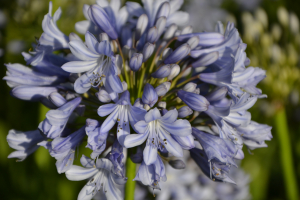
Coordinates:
[217,149]
[151,174]
[98,63]
[56,120]
[18,74]
[96,139]
[25,143]
[215,171]
[159,131]
[101,178]
[123,113]
[63,149]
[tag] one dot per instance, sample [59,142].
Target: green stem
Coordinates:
[130,174]
[286,154]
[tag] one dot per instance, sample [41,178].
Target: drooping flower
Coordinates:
[56,120]
[101,178]
[151,174]
[63,149]
[25,143]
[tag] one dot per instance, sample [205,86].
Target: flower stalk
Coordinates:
[286,154]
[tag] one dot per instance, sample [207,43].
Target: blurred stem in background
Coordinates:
[130,174]
[286,154]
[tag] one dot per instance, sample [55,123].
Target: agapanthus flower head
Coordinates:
[141,79]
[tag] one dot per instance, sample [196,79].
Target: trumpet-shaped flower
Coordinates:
[158,132]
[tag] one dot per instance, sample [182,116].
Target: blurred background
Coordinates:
[269,27]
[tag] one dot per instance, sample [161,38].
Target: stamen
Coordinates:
[95,80]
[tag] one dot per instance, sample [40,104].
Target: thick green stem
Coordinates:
[130,174]
[286,154]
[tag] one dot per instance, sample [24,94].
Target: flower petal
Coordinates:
[180,127]
[150,153]
[171,145]
[106,109]
[152,115]
[77,173]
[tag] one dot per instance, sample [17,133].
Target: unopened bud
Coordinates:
[152,35]
[175,69]
[163,88]
[147,51]
[103,37]
[177,164]
[103,96]
[166,53]
[170,32]
[74,36]
[187,30]
[190,87]
[164,10]
[162,72]
[184,111]
[193,42]
[136,61]
[141,26]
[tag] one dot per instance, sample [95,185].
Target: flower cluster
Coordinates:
[157,87]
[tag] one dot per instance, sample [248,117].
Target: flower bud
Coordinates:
[103,37]
[152,35]
[99,17]
[162,104]
[193,42]
[184,111]
[164,10]
[103,96]
[194,101]
[197,91]
[57,99]
[149,95]
[170,32]
[163,88]
[74,36]
[175,69]
[166,53]
[136,61]
[126,36]
[162,72]
[187,30]
[160,25]
[179,53]
[205,38]
[177,164]
[147,51]
[206,59]
[190,87]
[141,26]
